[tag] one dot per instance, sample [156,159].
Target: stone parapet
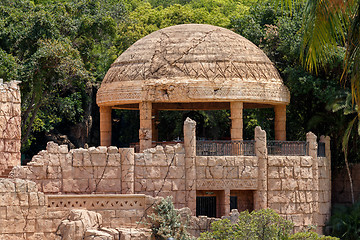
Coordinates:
[93,170]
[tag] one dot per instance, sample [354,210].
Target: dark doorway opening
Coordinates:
[242,200]
[233,202]
[206,206]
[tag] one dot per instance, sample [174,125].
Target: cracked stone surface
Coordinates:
[191,62]
[10,126]
[22,209]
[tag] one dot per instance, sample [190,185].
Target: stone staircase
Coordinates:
[5,173]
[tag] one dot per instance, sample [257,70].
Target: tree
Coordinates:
[58,50]
[328,26]
[54,68]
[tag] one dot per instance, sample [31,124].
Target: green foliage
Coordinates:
[310,236]
[166,222]
[262,224]
[345,221]
[8,67]
[57,49]
[153,15]
[61,50]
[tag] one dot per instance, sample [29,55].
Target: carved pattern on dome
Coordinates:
[199,62]
[185,93]
[259,72]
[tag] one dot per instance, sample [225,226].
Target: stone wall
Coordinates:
[26,213]
[291,188]
[10,125]
[297,187]
[22,210]
[161,172]
[219,172]
[117,210]
[80,171]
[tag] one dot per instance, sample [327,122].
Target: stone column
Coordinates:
[325,199]
[105,126]
[190,167]
[154,119]
[127,159]
[145,133]
[226,202]
[261,200]
[280,122]
[326,140]
[312,152]
[236,109]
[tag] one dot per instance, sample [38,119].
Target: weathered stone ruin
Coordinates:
[106,191]
[10,126]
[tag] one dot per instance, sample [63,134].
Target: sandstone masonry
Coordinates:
[10,125]
[297,187]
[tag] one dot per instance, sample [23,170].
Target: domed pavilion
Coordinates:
[191,67]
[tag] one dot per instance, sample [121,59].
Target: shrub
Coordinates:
[262,224]
[166,222]
[310,236]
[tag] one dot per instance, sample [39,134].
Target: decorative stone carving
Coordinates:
[192,62]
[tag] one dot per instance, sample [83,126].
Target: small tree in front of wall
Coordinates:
[262,224]
[166,222]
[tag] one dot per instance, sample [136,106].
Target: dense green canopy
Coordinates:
[61,50]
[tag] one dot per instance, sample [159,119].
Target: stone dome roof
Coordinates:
[192,63]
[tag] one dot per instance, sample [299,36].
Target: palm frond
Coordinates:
[352,57]
[323,29]
[288,4]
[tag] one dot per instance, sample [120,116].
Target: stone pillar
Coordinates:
[190,167]
[154,119]
[105,126]
[226,202]
[260,198]
[127,159]
[145,133]
[326,140]
[10,126]
[236,109]
[312,152]
[325,186]
[280,122]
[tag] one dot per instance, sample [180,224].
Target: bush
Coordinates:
[310,236]
[263,224]
[166,222]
